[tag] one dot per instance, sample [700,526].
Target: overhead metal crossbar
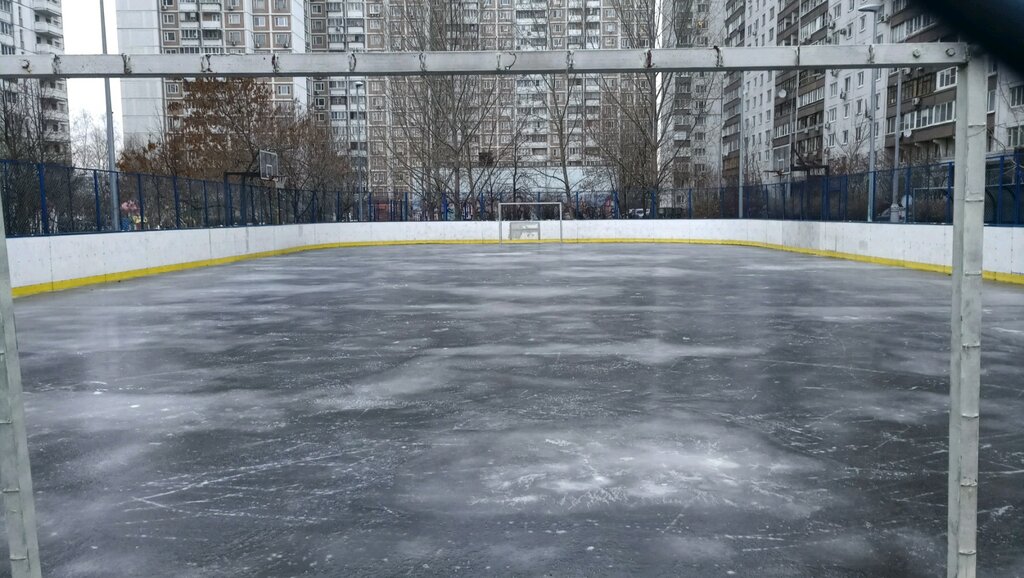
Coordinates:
[479,63]
[971,141]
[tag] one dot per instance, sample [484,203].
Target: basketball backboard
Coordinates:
[269,169]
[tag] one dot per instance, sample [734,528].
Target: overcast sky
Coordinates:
[82,36]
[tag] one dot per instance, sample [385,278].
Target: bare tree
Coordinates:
[436,121]
[34,122]
[89,141]
[653,137]
[34,132]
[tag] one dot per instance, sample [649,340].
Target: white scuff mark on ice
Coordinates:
[1005,330]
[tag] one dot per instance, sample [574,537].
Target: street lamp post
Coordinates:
[362,127]
[873,9]
[792,133]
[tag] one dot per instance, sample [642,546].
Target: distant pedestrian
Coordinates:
[130,217]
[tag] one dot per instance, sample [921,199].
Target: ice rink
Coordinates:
[593,410]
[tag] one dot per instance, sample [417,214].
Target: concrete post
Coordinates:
[965,363]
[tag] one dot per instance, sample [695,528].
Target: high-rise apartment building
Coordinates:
[342,27]
[201,27]
[36,27]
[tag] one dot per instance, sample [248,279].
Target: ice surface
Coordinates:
[557,410]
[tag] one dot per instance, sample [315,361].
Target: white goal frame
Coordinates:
[501,231]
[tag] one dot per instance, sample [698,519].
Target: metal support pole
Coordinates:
[897,134]
[115,213]
[965,363]
[15,471]
[873,183]
[742,167]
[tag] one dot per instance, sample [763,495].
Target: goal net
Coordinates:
[529,222]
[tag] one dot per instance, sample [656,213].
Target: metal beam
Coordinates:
[15,473]
[481,63]
[965,362]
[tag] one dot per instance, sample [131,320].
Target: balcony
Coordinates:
[50,7]
[207,6]
[55,114]
[50,29]
[44,48]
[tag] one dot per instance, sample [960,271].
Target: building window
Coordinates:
[947,78]
[234,18]
[170,19]
[281,21]
[173,88]
[170,37]
[1017,95]
[259,21]
[284,90]
[1015,137]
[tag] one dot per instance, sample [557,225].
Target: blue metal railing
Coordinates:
[46,199]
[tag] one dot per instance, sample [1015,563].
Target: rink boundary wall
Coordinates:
[44,264]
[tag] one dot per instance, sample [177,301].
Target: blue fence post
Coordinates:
[229,204]
[721,202]
[949,192]
[1017,188]
[908,186]
[177,202]
[96,198]
[206,207]
[826,209]
[71,205]
[370,212]
[616,210]
[44,212]
[999,193]
[689,203]
[577,205]
[243,203]
[142,202]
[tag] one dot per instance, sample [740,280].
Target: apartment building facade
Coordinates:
[151,107]
[36,27]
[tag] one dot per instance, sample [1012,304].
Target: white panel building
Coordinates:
[36,27]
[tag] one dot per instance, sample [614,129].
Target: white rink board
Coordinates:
[41,260]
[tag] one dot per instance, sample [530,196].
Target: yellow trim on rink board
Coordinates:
[27,290]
